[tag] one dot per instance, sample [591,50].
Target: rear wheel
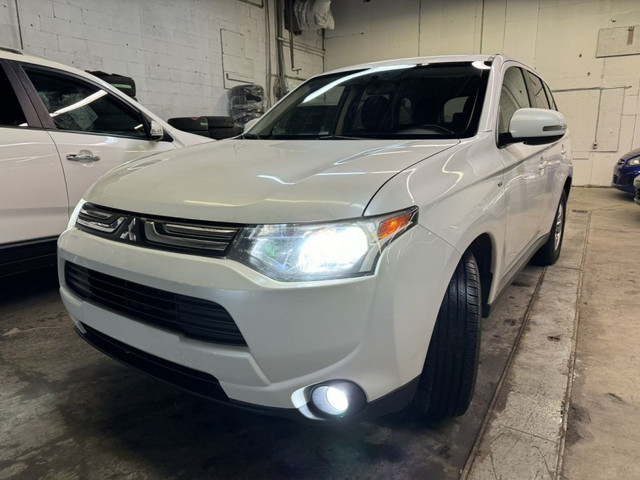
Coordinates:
[449,374]
[550,251]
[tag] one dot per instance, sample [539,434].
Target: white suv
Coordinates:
[335,261]
[61,129]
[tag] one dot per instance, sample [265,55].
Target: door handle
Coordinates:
[563,150]
[83,156]
[543,165]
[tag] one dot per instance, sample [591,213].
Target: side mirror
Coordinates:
[250,124]
[535,126]
[156,132]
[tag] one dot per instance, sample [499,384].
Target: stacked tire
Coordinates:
[246,102]
[222,127]
[217,128]
[121,82]
[195,125]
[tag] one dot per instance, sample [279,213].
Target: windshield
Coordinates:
[441,100]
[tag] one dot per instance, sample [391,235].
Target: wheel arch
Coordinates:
[567,186]
[483,249]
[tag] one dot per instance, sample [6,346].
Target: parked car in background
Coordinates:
[333,262]
[61,129]
[636,185]
[627,168]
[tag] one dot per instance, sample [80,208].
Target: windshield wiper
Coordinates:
[251,136]
[338,137]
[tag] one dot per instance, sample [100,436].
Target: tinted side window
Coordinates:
[538,95]
[552,101]
[512,97]
[82,107]
[11,114]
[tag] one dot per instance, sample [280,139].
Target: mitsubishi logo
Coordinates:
[130,232]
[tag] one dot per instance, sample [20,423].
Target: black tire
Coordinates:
[202,133]
[220,122]
[221,133]
[549,253]
[190,124]
[121,82]
[449,374]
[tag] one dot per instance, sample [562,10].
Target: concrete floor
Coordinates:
[556,392]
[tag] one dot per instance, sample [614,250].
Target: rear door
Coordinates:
[93,129]
[33,196]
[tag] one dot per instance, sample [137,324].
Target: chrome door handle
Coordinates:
[83,156]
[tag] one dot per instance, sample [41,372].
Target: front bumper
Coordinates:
[373,330]
[623,176]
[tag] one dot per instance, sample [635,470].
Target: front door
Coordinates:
[93,129]
[525,174]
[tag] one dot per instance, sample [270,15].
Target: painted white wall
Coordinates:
[599,96]
[171,48]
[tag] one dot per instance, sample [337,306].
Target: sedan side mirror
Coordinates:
[535,126]
[250,124]
[156,132]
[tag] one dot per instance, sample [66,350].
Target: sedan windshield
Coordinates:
[441,100]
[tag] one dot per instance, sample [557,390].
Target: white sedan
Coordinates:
[60,130]
[334,262]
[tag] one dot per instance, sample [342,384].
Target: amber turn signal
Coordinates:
[394,225]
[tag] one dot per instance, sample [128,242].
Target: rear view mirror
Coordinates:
[535,126]
[156,132]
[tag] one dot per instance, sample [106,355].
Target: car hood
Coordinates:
[261,181]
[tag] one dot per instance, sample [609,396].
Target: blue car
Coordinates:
[627,168]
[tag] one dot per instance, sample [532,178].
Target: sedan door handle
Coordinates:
[83,156]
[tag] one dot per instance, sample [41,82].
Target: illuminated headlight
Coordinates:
[74,214]
[302,252]
[634,162]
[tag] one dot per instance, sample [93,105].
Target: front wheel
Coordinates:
[549,253]
[449,374]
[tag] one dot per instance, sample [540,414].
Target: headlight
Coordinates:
[634,162]
[302,252]
[74,214]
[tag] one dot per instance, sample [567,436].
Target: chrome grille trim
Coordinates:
[187,236]
[100,220]
[184,236]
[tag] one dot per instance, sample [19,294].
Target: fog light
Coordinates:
[337,398]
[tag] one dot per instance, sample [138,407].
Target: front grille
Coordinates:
[192,317]
[161,233]
[187,378]
[615,180]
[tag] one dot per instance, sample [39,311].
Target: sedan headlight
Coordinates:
[75,213]
[634,162]
[303,252]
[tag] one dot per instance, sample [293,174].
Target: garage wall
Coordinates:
[173,49]
[559,38]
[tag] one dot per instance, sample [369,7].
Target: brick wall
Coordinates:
[172,49]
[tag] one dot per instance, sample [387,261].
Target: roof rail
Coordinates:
[11,50]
